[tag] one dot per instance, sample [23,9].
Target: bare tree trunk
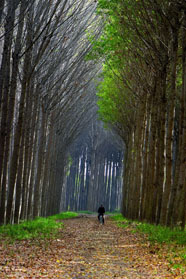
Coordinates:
[19,182]
[51,195]
[145,160]
[169,140]
[182,173]
[148,207]
[47,165]
[33,165]
[161,145]
[37,188]
[138,169]
[29,123]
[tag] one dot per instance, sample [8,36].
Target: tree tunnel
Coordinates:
[94,171]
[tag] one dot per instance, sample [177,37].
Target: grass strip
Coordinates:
[38,228]
[63,215]
[155,233]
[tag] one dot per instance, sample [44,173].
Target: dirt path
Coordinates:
[85,249]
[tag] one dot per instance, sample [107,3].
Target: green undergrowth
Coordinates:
[113,213]
[64,215]
[38,228]
[162,234]
[155,233]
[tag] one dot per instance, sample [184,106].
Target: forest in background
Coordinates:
[94,175]
[143,96]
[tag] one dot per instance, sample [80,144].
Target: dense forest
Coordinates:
[46,98]
[58,60]
[94,175]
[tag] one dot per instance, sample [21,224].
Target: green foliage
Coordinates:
[114,99]
[114,94]
[38,228]
[113,213]
[155,233]
[162,234]
[119,218]
[121,221]
[110,42]
[63,215]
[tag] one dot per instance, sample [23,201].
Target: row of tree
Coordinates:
[45,98]
[94,174]
[143,95]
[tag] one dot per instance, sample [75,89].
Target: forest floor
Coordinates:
[86,249]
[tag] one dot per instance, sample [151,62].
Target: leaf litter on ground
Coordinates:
[85,249]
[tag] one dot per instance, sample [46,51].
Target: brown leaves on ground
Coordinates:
[85,249]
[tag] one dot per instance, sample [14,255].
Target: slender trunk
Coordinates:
[148,200]
[51,195]
[92,179]
[130,179]
[169,139]
[145,160]
[138,171]
[33,151]
[182,173]
[37,188]
[46,171]
[161,145]
[19,182]
[33,169]
[125,182]
[29,123]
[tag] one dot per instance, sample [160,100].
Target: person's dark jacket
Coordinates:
[101,210]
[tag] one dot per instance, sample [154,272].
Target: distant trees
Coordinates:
[94,172]
[43,74]
[143,96]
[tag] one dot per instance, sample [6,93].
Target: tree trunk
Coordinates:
[161,144]
[19,182]
[182,172]
[169,139]
[37,188]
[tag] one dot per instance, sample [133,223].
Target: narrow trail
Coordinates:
[84,249]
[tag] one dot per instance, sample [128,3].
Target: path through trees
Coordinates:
[85,249]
